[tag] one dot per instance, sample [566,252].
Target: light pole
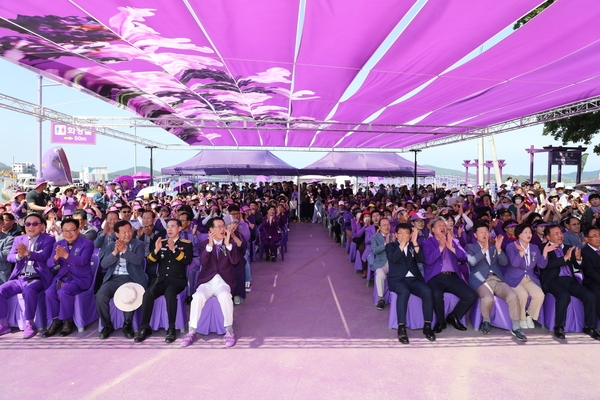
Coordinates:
[41,120]
[416,151]
[151,164]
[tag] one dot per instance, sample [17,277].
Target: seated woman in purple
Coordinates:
[523,258]
[19,206]
[68,202]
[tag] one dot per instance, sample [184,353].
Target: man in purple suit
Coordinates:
[217,278]
[31,274]
[442,253]
[73,256]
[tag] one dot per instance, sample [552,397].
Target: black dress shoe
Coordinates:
[455,322]
[142,335]
[66,329]
[438,328]
[54,328]
[273,258]
[592,333]
[402,336]
[128,331]
[485,327]
[380,304]
[106,331]
[171,335]
[428,332]
[559,332]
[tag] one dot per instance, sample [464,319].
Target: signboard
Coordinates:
[565,158]
[69,134]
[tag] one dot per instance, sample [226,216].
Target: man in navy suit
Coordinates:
[442,253]
[405,278]
[73,256]
[218,256]
[487,280]
[558,280]
[124,262]
[590,264]
[31,275]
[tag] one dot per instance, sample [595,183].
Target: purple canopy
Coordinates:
[239,162]
[364,164]
[272,73]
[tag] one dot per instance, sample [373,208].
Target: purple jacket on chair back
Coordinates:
[40,255]
[78,265]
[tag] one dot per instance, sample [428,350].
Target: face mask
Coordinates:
[90,217]
[518,201]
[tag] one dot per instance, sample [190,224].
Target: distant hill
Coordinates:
[566,177]
[129,171]
[5,167]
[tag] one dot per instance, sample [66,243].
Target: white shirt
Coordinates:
[408,273]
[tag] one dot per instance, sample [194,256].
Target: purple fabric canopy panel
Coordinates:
[364,164]
[223,162]
[259,73]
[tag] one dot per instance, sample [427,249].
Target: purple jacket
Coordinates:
[433,257]
[40,255]
[78,265]
[270,229]
[517,268]
[223,264]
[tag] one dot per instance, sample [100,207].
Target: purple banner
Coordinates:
[69,134]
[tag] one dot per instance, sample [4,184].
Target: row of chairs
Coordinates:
[499,316]
[84,313]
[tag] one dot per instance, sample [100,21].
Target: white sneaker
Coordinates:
[530,324]
[523,325]
[248,287]
[237,300]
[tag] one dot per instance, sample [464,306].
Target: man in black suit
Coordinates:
[173,256]
[148,233]
[404,278]
[590,263]
[558,280]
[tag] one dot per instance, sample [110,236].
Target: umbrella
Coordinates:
[124,178]
[141,176]
[262,178]
[181,184]
[149,190]
[315,181]
[203,181]
[595,182]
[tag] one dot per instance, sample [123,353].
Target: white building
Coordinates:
[94,174]
[24,168]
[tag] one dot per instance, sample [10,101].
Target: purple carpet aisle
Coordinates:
[308,330]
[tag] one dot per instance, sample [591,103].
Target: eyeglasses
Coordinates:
[34,224]
[126,212]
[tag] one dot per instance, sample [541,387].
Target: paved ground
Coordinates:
[308,330]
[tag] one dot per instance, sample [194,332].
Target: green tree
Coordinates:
[577,129]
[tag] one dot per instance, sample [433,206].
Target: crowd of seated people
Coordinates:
[515,245]
[200,241]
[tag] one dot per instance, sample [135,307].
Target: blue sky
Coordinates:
[20,136]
